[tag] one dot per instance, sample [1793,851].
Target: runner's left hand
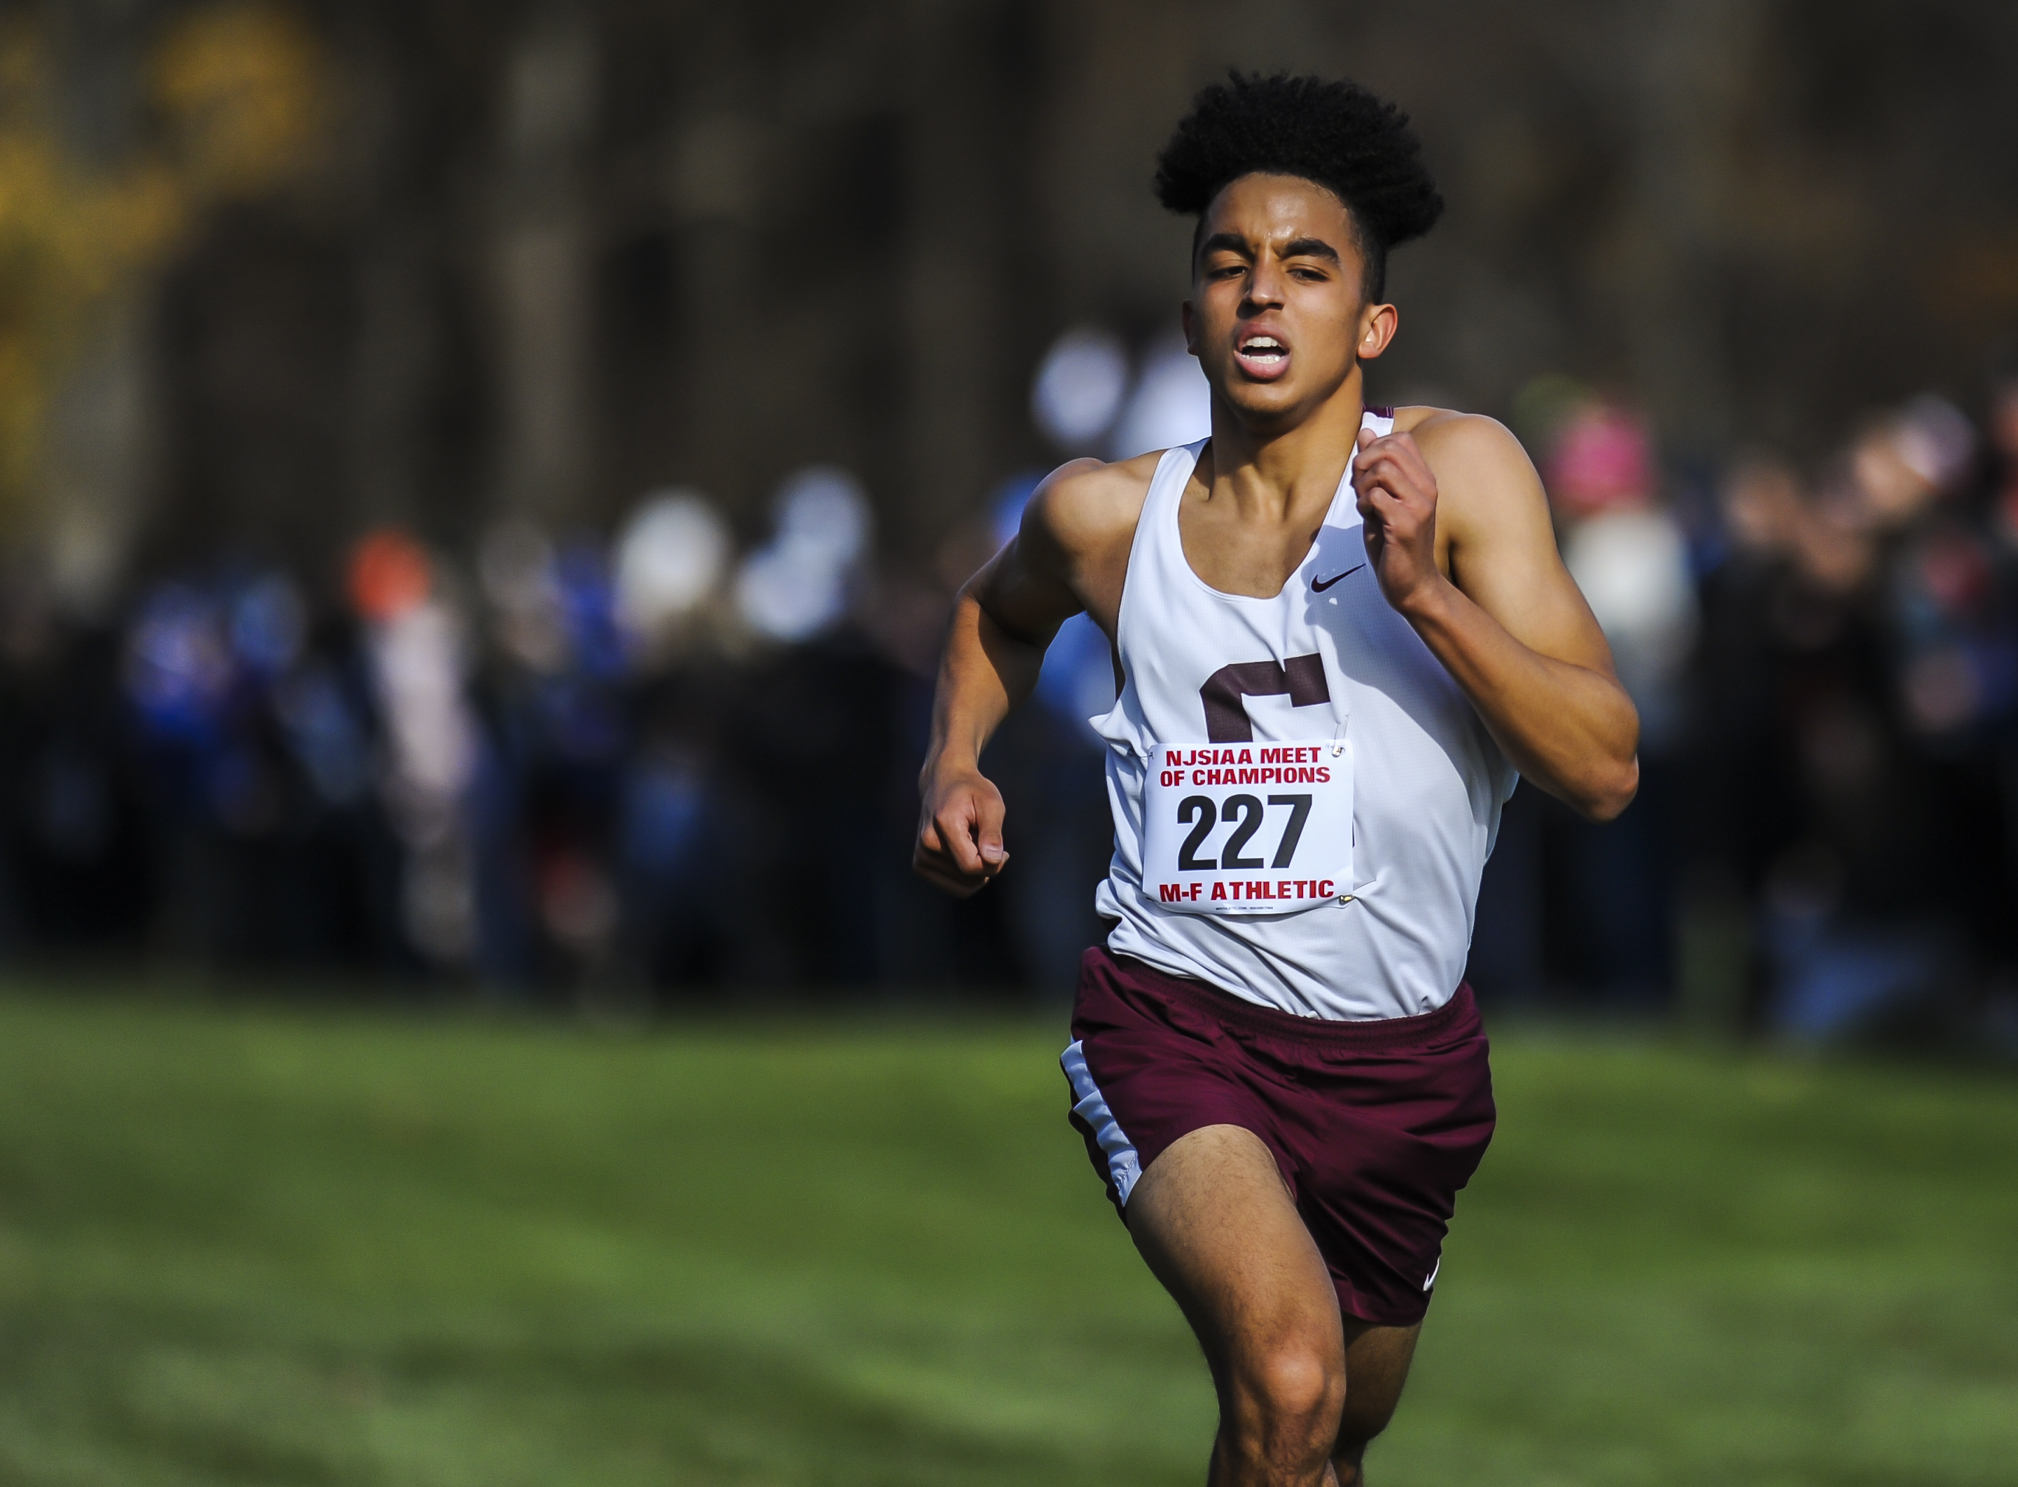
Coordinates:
[1397,501]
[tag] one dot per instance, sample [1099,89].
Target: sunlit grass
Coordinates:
[254,1246]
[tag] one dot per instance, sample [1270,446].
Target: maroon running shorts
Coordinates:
[1375,1125]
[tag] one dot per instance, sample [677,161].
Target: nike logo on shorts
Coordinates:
[1319,585]
[1439,1259]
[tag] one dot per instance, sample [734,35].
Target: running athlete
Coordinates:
[1339,632]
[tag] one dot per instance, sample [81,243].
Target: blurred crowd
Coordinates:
[548,767]
[540,764]
[1826,666]
[647,764]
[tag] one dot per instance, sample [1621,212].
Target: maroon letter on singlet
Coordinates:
[1226,720]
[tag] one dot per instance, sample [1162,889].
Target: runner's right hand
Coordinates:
[959,844]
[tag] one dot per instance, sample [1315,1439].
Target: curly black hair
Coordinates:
[1337,134]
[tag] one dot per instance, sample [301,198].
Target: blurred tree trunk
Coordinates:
[1690,58]
[95,456]
[541,262]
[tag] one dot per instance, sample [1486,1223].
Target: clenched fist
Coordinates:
[959,845]
[1397,500]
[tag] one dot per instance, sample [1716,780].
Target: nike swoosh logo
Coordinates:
[1319,585]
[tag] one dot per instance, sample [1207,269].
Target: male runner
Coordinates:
[1339,631]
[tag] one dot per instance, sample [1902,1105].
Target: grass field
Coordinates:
[262,1246]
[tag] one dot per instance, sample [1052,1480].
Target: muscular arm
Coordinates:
[1062,560]
[1505,619]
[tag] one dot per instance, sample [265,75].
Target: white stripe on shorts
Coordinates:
[1091,1106]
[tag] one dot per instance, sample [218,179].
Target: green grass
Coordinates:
[261,1246]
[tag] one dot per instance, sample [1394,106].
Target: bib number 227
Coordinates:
[1248,829]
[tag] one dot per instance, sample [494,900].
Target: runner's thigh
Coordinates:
[1215,1222]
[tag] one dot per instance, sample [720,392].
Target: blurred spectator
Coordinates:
[415,647]
[799,583]
[1630,557]
[1079,388]
[1854,691]
[547,800]
[73,866]
[1569,902]
[670,560]
[1171,403]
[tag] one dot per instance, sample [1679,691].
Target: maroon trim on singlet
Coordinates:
[1381,410]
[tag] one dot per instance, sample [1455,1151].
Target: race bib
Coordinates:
[1248,828]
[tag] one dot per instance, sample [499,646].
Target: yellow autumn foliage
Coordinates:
[239,99]
[240,87]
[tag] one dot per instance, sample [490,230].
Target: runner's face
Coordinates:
[1276,316]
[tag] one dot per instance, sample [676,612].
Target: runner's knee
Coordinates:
[1286,1404]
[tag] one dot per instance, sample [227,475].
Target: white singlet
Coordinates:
[1208,675]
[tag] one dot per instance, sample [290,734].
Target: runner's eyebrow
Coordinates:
[1233,242]
[1309,248]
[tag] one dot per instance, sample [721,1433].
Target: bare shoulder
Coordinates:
[1085,508]
[1071,552]
[1483,473]
[1470,442]
[1502,551]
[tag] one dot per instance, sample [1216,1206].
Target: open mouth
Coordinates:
[1262,356]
